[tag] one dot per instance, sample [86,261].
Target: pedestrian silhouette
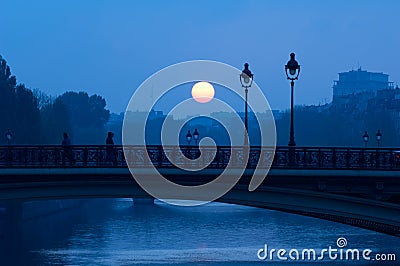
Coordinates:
[109,140]
[67,150]
[110,148]
[66,141]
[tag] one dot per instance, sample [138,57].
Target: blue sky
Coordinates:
[110,47]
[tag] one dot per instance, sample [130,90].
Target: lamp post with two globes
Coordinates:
[189,138]
[246,79]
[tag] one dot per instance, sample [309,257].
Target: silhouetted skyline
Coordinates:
[110,48]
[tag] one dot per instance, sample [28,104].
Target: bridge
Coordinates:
[356,186]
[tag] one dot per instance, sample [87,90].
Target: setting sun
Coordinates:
[203,92]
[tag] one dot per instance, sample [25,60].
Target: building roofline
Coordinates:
[359,70]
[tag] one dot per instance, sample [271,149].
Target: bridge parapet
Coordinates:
[46,156]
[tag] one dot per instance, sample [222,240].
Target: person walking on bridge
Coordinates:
[110,148]
[67,150]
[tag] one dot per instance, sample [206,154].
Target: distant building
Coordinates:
[359,81]
[156,115]
[115,119]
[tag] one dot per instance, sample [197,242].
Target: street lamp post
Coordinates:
[189,137]
[292,69]
[365,138]
[246,79]
[196,136]
[378,137]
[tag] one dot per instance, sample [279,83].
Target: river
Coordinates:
[116,232]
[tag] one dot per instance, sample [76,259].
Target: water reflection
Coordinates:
[114,232]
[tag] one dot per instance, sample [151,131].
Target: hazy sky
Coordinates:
[111,47]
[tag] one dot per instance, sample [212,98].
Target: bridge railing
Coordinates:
[337,158]
[114,156]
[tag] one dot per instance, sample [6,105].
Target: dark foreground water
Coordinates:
[114,232]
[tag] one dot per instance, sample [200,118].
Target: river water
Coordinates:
[116,232]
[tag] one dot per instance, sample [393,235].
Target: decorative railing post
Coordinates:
[9,156]
[40,156]
[395,159]
[115,156]
[391,159]
[159,156]
[305,159]
[63,155]
[25,157]
[99,156]
[85,156]
[377,163]
[292,156]
[334,158]
[361,159]
[320,159]
[218,156]
[384,159]
[57,156]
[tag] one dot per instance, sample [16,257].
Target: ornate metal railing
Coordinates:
[284,157]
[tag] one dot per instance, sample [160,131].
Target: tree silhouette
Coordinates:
[7,98]
[88,116]
[35,118]
[28,116]
[55,121]
[19,109]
